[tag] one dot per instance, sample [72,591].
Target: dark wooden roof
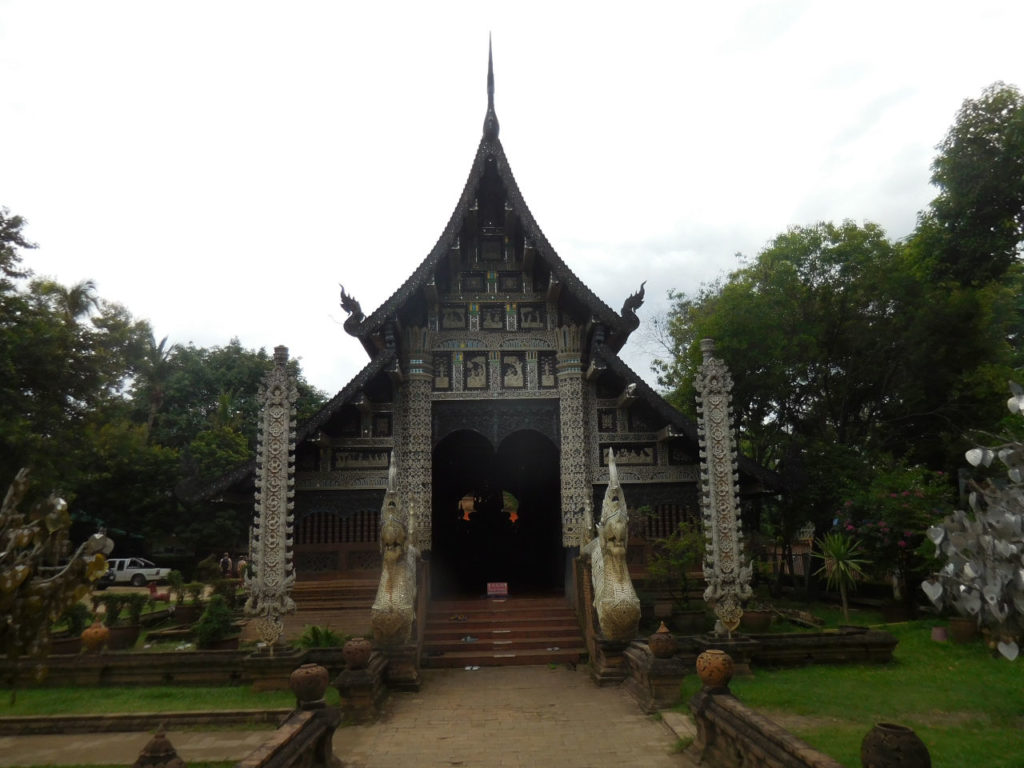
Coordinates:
[769,480]
[619,325]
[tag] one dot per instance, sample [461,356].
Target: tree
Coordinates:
[842,564]
[976,224]
[11,239]
[811,331]
[845,352]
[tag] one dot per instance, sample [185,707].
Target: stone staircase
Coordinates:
[492,633]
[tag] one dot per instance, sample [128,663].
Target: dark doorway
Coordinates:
[496,515]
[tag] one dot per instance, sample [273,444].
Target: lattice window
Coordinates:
[330,528]
[665,518]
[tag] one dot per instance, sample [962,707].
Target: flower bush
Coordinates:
[889,517]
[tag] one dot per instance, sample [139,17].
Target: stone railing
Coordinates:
[731,735]
[608,664]
[304,740]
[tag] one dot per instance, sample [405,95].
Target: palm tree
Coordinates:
[156,367]
[842,566]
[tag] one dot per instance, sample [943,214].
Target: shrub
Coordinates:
[136,603]
[215,624]
[177,582]
[113,603]
[76,619]
[674,557]
[194,590]
[320,637]
[228,589]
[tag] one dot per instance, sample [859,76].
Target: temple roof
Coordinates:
[490,152]
[380,363]
[681,424]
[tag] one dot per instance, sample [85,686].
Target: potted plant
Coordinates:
[675,557]
[176,582]
[215,629]
[757,615]
[74,620]
[122,636]
[841,564]
[193,609]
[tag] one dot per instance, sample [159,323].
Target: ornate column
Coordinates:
[577,492]
[728,580]
[415,459]
[270,576]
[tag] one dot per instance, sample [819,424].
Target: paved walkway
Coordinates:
[507,717]
[499,717]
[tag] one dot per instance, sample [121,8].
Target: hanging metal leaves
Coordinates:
[983,576]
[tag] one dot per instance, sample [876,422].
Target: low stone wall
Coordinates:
[731,735]
[854,646]
[797,649]
[262,671]
[25,725]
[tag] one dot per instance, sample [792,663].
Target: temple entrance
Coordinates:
[496,515]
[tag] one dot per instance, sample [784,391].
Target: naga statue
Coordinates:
[355,312]
[394,608]
[618,607]
[631,305]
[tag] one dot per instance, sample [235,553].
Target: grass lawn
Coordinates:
[966,706]
[163,698]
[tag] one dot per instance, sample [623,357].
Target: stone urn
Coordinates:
[662,644]
[308,683]
[715,668]
[95,636]
[890,746]
[357,652]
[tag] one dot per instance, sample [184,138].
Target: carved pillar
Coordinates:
[270,575]
[415,464]
[728,579]
[575,469]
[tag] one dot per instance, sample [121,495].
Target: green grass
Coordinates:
[966,706]
[163,698]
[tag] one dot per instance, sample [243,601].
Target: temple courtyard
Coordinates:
[492,716]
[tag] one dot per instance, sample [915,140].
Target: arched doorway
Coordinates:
[496,515]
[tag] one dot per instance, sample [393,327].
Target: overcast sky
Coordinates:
[219,167]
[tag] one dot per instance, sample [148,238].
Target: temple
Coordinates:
[495,384]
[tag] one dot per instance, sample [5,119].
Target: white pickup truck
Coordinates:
[136,571]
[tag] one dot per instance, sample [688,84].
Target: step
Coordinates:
[499,643]
[502,658]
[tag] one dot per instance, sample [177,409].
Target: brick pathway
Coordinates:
[506,717]
[494,717]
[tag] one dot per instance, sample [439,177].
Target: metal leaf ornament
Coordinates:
[983,575]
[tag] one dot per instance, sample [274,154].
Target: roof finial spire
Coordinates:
[491,120]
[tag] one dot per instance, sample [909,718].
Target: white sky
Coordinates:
[219,167]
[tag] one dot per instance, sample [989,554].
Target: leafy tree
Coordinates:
[11,239]
[845,351]
[110,417]
[976,225]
